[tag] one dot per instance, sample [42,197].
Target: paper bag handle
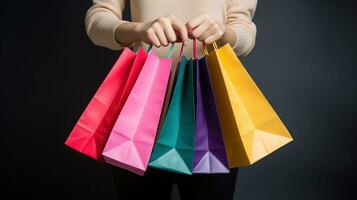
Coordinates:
[149,48]
[194,50]
[169,53]
[214,44]
[180,54]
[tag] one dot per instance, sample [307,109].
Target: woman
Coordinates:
[160,22]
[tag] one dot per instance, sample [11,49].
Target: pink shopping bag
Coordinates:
[92,129]
[132,138]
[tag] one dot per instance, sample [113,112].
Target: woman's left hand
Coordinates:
[205,28]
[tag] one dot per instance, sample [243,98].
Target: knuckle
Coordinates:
[189,24]
[170,16]
[181,26]
[149,31]
[195,34]
[161,20]
[164,42]
[173,39]
[156,25]
[156,43]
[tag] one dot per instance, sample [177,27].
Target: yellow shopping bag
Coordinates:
[251,128]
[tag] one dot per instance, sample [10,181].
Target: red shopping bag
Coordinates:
[93,127]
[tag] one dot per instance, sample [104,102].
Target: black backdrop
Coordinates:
[304,61]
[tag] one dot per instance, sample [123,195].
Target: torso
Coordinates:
[185,10]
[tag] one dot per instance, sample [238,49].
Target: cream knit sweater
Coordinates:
[105,15]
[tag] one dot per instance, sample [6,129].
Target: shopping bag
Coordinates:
[91,132]
[209,155]
[168,95]
[131,140]
[173,150]
[133,76]
[251,128]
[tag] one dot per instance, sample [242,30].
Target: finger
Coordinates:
[160,35]
[181,28]
[212,38]
[152,37]
[199,30]
[197,21]
[169,31]
[178,36]
[206,34]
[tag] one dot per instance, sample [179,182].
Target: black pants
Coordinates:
[156,184]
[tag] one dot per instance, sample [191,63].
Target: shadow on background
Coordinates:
[304,62]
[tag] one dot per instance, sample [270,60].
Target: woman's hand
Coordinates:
[162,31]
[159,32]
[205,28]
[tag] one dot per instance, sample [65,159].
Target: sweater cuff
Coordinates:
[105,33]
[244,40]
[116,39]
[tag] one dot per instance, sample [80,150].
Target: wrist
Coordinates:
[229,36]
[137,29]
[118,34]
[127,33]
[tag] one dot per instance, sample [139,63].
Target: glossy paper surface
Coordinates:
[210,155]
[93,127]
[251,128]
[132,138]
[174,147]
[168,95]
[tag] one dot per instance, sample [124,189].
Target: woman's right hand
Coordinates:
[162,31]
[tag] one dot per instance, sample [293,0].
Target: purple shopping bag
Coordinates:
[209,155]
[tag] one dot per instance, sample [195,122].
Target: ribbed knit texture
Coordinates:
[105,15]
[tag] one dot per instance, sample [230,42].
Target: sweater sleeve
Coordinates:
[101,21]
[239,18]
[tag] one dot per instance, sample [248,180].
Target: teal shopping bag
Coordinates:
[174,148]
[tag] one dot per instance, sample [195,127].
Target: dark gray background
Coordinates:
[304,62]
